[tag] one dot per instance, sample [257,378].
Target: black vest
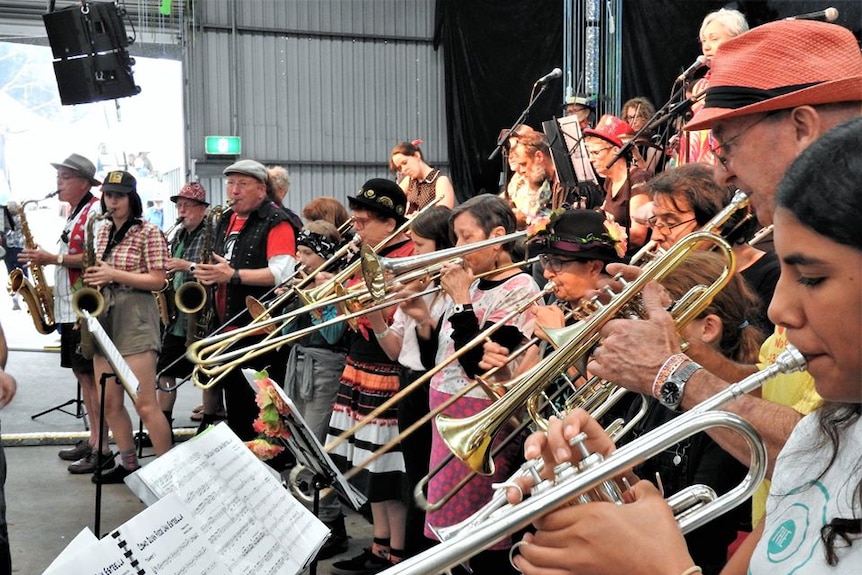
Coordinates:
[249,251]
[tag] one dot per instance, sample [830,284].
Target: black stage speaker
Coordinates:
[91,62]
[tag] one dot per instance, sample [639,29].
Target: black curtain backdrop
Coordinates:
[494,50]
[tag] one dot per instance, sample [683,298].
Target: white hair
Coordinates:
[732,20]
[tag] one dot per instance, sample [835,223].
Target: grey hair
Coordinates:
[732,20]
[279,178]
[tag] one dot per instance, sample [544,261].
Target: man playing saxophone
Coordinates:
[187,250]
[75,177]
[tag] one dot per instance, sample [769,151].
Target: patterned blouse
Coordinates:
[422,193]
[141,250]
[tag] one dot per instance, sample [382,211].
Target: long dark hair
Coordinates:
[136,208]
[821,189]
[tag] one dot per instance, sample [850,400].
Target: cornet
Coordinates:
[499,519]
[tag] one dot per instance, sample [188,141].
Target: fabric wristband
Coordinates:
[670,365]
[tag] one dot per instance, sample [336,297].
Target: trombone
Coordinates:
[218,342]
[210,352]
[470,438]
[594,479]
[226,361]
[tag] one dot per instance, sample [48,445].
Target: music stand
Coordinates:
[309,452]
[79,412]
[125,377]
[575,148]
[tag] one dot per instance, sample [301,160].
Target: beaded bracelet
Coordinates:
[670,365]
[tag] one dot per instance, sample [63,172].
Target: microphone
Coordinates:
[696,65]
[828,15]
[552,75]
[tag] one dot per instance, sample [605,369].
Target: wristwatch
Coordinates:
[235,280]
[192,268]
[461,308]
[671,391]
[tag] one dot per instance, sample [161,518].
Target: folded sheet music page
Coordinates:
[164,539]
[251,520]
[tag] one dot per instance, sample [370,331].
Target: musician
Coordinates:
[186,251]
[574,249]
[369,379]
[131,260]
[255,248]
[581,106]
[315,362]
[758,138]
[624,186]
[685,199]
[531,156]
[814,511]
[476,305]
[75,178]
[717,28]
[415,318]
[421,182]
[637,112]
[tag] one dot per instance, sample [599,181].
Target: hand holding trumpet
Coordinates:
[574,538]
[605,538]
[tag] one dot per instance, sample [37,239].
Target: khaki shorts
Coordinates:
[131,320]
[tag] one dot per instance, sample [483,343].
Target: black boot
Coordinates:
[337,542]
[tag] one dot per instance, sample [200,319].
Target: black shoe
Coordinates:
[114,476]
[337,542]
[82,449]
[88,464]
[366,563]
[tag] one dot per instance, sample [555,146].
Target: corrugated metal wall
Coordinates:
[323,87]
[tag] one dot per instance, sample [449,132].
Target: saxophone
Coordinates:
[87,298]
[38,295]
[191,297]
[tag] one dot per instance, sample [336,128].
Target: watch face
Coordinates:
[670,393]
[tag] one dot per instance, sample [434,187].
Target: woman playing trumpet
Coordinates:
[131,261]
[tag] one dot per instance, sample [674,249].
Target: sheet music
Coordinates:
[572,134]
[167,540]
[164,539]
[308,450]
[246,514]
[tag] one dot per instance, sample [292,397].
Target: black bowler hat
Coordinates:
[384,197]
[581,235]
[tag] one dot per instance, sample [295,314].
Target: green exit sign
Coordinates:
[223,145]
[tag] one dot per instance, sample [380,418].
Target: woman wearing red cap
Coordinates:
[625,192]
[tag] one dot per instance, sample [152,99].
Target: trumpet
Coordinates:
[499,519]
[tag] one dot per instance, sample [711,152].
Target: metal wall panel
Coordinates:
[395,18]
[328,102]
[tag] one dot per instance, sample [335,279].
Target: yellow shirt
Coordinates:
[794,390]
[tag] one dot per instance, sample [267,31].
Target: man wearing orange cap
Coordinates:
[768,100]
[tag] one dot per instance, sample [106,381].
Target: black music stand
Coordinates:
[124,376]
[78,402]
[309,452]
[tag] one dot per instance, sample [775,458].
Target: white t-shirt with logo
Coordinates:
[800,503]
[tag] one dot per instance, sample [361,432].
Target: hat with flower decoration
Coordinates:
[579,234]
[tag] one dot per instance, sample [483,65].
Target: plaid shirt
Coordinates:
[142,250]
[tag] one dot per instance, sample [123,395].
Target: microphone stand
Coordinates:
[664,114]
[521,119]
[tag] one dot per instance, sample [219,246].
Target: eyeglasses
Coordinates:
[722,151]
[555,264]
[361,222]
[657,224]
[598,151]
